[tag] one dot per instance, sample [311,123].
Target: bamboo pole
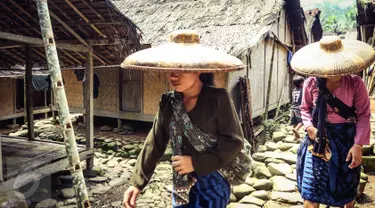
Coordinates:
[62,105]
[269,81]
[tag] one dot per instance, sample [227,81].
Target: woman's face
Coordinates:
[181,81]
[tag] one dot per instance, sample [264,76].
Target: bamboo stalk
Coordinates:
[269,81]
[62,105]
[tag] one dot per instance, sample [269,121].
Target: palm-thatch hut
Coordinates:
[83,31]
[245,29]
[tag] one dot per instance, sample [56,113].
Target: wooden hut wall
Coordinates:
[108,91]
[73,89]
[7,90]
[154,84]
[259,71]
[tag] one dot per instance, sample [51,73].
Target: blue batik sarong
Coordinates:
[211,191]
[331,183]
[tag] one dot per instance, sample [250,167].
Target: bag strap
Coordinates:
[338,106]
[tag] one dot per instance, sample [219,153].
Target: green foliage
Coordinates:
[270,126]
[336,19]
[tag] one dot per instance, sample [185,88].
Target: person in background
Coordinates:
[295,112]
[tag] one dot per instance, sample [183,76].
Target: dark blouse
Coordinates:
[214,112]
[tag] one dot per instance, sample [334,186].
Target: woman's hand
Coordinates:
[311,131]
[130,197]
[355,154]
[182,164]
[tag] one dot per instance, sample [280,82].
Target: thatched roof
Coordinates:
[99,22]
[228,25]
[14,74]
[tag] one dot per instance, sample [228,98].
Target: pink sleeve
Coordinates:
[308,101]
[362,106]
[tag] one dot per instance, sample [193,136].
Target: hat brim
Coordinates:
[353,57]
[177,57]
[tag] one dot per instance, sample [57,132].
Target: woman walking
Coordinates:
[335,112]
[199,120]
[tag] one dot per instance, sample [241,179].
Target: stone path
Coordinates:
[272,184]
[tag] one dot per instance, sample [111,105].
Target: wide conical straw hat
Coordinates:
[183,53]
[333,56]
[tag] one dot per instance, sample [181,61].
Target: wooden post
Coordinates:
[29,94]
[363,33]
[75,167]
[45,104]
[1,163]
[281,94]
[119,123]
[89,105]
[269,80]
[373,38]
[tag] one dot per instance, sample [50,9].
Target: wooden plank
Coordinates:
[84,17]
[269,80]
[14,165]
[67,17]
[131,91]
[93,9]
[131,96]
[43,171]
[39,42]
[89,104]
[21,155]
[256,75]
[21,114]
[122,114]
[29,94]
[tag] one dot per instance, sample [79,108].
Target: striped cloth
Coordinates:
[211,191]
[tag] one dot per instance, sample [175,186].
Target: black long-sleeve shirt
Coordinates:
[214,112]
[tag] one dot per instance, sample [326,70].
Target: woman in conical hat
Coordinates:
[335,112]
[200,121]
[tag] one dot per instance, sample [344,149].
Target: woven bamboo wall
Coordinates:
[154,84]
[73,89]
[6,96]
[108,93]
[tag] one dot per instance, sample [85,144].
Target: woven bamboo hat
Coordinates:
[333,56]
[183,53]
